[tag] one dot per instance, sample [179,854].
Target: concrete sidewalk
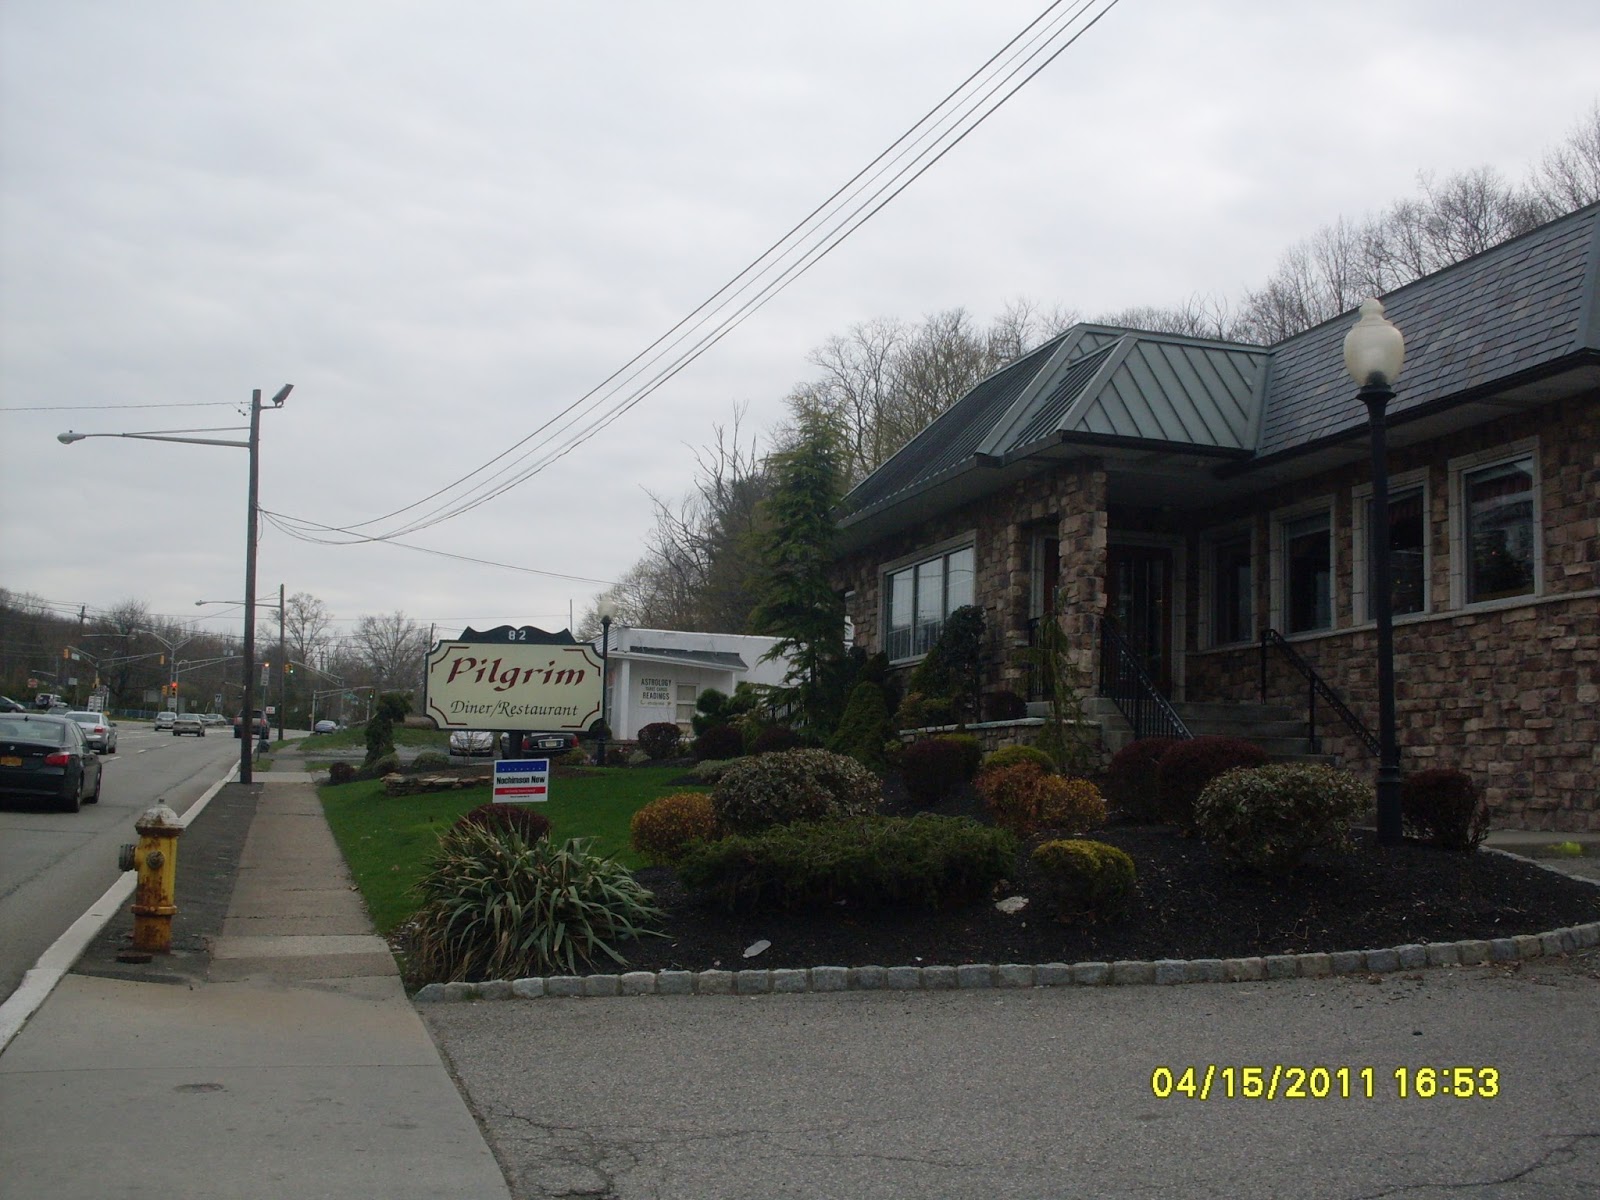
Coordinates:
[286,1062]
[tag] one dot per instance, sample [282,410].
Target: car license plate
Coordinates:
[10,760]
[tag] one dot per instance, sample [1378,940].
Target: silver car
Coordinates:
[188,723]
[469,742]
[99,730]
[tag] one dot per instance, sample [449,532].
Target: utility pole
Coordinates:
[283,668]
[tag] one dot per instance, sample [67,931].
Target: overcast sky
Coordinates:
[443,223]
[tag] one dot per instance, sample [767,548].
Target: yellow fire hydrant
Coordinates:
[155,896]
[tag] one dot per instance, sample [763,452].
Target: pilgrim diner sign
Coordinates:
[514,678]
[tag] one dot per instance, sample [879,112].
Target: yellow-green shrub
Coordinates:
[1074,879]
[663,829]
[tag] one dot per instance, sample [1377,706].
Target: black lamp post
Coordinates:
[607,611]
[1374,352]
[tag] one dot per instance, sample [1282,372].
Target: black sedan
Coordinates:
[48,756]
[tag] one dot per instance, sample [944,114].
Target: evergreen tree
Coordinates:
[796,602]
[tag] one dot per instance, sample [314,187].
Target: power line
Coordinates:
[1015,73]
[118,407]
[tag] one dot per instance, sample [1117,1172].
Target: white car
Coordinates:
[99,730]
[188,723]
[470,742]
[164,721]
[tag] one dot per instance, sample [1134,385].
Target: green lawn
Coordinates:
[387,839]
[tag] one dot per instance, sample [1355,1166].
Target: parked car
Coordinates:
[260,722]
[326,727]
[188,723]
[210,719]
[7,704]
[98,729]
[541,743]
[164,720]
[48,756]
[469,742]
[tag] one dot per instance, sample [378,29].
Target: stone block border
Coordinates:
[1471,952]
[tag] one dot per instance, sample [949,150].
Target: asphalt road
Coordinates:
[53,866]
[1045,1092]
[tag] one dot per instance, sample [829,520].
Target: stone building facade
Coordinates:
[1201,493]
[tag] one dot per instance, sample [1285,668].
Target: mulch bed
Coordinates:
[1189,905]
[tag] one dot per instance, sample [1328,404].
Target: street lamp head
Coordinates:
[606,608]
[283,394]
[66,439]
[1374,350]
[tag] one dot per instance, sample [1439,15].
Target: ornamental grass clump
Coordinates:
[663,830]
[1075,879]
[529,823]
[793,785]
[1025,800]
[495,906]
[1269,818]
[924,861]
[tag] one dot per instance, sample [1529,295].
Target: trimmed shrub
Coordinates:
[1442,806]
[528,823]
[1131,778]
[950,671]
[712,769]
[711,709]
[660,739]
[1186,768]
[773,739]
[495,906]
[1010,756]
[923,861]
[429,760]
[1025,800]
[790,786]
[666,827]
[376,769]
[1269,818]
[1004,706]
[933,767]
[718,741]
[341,772]
[864,727]
[1075,879]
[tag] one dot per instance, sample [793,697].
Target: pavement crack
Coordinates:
[1559,1154]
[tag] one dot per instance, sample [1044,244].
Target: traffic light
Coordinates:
[65,653]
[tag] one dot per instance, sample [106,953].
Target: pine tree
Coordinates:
[796,601]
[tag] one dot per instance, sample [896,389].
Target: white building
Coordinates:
[658,674]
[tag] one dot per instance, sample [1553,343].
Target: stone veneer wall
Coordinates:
[1509,692]
[1068,500]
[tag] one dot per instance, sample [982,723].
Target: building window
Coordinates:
[921,596]
[1499,543]
[1232,615]
[1408,548]
[683,710]
[1307,598]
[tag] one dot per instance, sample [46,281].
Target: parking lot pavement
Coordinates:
[1045,1092]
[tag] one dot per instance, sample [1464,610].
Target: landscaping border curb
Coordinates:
[970,976]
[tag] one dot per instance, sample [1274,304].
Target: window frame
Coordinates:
[1461,553]
[913,563]
[1278,563]
[1360,505]
[1211,542]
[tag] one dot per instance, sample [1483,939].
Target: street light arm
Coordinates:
[66,439]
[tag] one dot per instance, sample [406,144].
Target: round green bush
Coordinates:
[529,823]
[793,785]
[1010,756]
[1187,767]
[660,739]
[429,760]
[719,741]
[495,906]
[1269,818]
[1075,879]
[864,727]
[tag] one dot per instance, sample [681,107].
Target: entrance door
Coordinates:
[1139,600]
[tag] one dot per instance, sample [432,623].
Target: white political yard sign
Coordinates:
[526,781]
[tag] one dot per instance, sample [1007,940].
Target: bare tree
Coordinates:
[305,623]
[1198,316]
[1022,326]
[391,648]
[1569,177]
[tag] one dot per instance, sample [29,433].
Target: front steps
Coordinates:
[1275,728]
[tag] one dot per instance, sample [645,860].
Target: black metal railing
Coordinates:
[1315,686]
[1034,680]
[1126,683]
